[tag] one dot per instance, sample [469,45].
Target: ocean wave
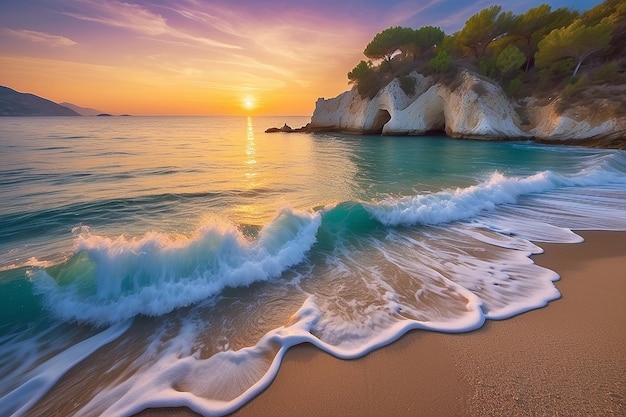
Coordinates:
[112,279]
[465,203]
[108,280]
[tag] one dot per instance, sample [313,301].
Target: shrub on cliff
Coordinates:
[511,58]
[514,87]
[360,72]
[366,78]
[440,63]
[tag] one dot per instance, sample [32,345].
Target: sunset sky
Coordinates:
[195,57]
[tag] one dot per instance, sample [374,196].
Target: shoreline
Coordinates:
[613,141]
[568,358]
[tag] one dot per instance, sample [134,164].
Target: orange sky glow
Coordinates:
[198,57]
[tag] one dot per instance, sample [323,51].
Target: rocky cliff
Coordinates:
[596,120]
[469,107]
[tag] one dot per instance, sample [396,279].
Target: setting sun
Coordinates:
[248,103]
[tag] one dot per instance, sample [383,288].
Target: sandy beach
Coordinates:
[567,359]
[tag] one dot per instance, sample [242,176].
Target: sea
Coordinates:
[151,262]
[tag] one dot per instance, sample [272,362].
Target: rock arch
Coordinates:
[380,120]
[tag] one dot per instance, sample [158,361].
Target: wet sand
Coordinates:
[566,359]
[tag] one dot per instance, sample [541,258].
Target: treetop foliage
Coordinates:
[576,41]
[485,27]
[510,59]
[403,40]
[522,49]
[440,63]
[360,71]
[386,43]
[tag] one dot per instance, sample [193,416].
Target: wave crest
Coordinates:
[112,279]
[465,203]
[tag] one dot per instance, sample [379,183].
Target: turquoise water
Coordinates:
[171,261]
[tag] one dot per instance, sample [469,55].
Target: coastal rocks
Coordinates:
[592,122]
[476,108]
[286,129]
[306,128]
[470,107]
[349,112]
[426,113]
[479,109]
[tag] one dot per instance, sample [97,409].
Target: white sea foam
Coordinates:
[465,203]
[155,274]
[35,382]
[220,384]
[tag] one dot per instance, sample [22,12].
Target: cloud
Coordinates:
[40,37]
[124,15]
[136,18]
[456,21]
[275,43]
[405,11]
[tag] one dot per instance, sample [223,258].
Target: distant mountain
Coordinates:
[83,111]
[14,103]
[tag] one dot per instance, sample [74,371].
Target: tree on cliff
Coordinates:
[360,72]
[407,41]
[364,76]
[529,28]
[386,43]
[553,44]
[440,63]
[510,59]
[426,38]
[483,28]
[615,12]
[576,41]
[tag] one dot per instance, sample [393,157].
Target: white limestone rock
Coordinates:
[478,108]
[475,109]
[580,123]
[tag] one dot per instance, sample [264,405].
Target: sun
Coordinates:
[248,103]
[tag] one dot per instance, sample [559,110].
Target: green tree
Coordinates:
[386,43]
[483,28]
[426,38]
[509,59]
[576,41]
[615,10]
[366,78]
[514,87]
[360,72]
[440,63]
[451,45]
[529,28]
[487,66]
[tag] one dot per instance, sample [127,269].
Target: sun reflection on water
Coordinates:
[250,145]
[250,212]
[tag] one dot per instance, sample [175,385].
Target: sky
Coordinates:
[201,57]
